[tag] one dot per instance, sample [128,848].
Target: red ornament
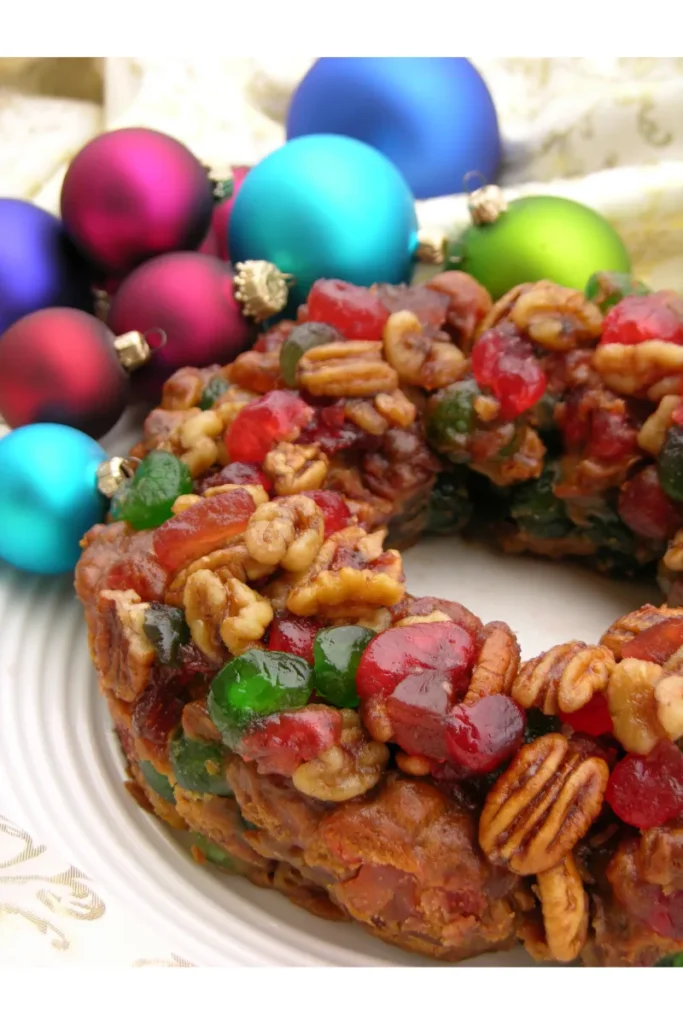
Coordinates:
[60,366]
[190,297]
[504,362]
[132,194]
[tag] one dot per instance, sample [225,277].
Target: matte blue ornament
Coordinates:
[326,206]
[39,265]
[49,496]
[432,116]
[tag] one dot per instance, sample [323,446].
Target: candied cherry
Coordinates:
[237,473]
[670,464]
[357,313]
[593,718]
[139,572]
[216,387]
[282,742]
[646,509]
[336,654]
[330,429]
[201,528]
[430,306]
[658,643]
[612,436]
[336,513]
[479,737]
[404,651]
[263,422]
[647,790]
[451,418]
[644,318]
[606,288]
[293,635]
[166,629]
[302,338]
[199,766]
[156,781]
[146,500]
[505,363]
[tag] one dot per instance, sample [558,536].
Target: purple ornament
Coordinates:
[39,265]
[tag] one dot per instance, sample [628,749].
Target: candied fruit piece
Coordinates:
[357,313]
[201,528]
[336,513]
[606,288]
[263,423]
[646,509]
[593,718]
[156,781]
[139,572]
[157,710]
[505,362]
[536,508]
[216,387]
[481,736]
[249,473]
[199,766]
[451,418]
[647,790]
[282,742]
[637,318]
[166,629]
[658,643]
[336,653]
[330,429]
[418,710]
[670,464]
[450,508]
[146,500]
[429,305]
[293,635]
[302,338]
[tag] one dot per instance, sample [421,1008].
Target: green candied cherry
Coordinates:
[336,653]
[451,418]
[450,508]
[146,500]
[608,532]
[606,288]
[166,629]
[670,464]
[156,781]
[199,766]
[302,338]
[214,853]
[674,960]
[254,685]
[536,509]
[216,387]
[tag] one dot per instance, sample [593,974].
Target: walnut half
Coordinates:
[344,771]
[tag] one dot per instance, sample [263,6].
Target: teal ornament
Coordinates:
[326,206]
[49,496]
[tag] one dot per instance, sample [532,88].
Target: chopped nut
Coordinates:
[363,413]
[183,502]
[257,491]
[183,389]
[376,720]
[557,318]
[344,771]
[564,678]
[413,620]
[204,424]
[287,532]
[418,358]
[632,705]
[669,704]
[660,856]
[653,432]
[542,804]
[256,371]
[637,369]
[249,615]
[346,369]
[413,764]
[123,654]
[294,467]
[487,408]
[396,408]
[231,402]
[232,561]
[350,568]
[526,463]
[564,904]
[226,610]
[497,663]
[634,623]
[673,558]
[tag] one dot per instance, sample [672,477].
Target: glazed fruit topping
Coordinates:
[260,425]
[336,513]
[337,652]
[282,742]
[330,429]
[670,464]
[607,288]
[658,643]
[640,318]
[236,473]
[293,635]
[646,791]
[646,509]
[201,528]
[429,305]
[593,719]
[146,500]
[505,363]
[166,629]
[199,766]
[357,313]
[481,736]
[302,338]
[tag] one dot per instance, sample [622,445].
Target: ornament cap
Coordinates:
[431,246]
[112,473]
[133,350]
[486,204]
[261,289]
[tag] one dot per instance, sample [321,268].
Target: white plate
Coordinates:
[65,771]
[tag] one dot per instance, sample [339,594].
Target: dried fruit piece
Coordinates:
[337,652]
[166,629]
[451,418]
[670,464]
[638,318]
[481,736]
[203,527]
[505,362]
[357,313]
[336,513]
[646,791]
[593,718]
[606,288]
[646,509]
[248,474]
[282,742]
[199,766]
[259,425]
[156,781]
[216,387]
[293,635]
[146,501]
[658,643]
[300,339]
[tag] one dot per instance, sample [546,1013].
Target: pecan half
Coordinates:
[497,663]
[346,369]
[632,705]
[564,904]
[123,654]
[555,317]
[541,805]
[419,358]
[564,678]
[634,623]
[660,855]
[287,532]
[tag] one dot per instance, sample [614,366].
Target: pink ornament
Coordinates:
[133,194]
[190,297]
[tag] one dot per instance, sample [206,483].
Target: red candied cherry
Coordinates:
[236,473]
[279,744]
[646,509]
[505,363]
[612,436]
[262,423]
[647,790]
[356,312]
[644,318]
[658,643]
[593,718]
[293,635]
[428,304]
[203,527]
[336,512]
[331,430]
[479,737]
[139,572]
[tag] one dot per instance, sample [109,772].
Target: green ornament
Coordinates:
[336,653]
[146,500]
[199,766]
[533,239]
[670,464]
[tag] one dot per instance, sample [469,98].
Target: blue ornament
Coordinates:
[39,265]
[432,116]
[49,496]
[326,206]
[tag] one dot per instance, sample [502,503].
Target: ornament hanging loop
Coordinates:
[115,471]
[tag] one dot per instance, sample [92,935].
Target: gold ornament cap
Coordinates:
[431,246]
[134,350]
[261,289]
[486,204]
[112,473]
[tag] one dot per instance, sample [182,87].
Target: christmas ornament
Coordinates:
[433,117]
[222,211]
[535,238]
[49,496]
[39,265]
[66,366]
[201,306]
[327,206]
[132,194]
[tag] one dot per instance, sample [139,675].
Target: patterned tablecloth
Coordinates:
[607,132]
